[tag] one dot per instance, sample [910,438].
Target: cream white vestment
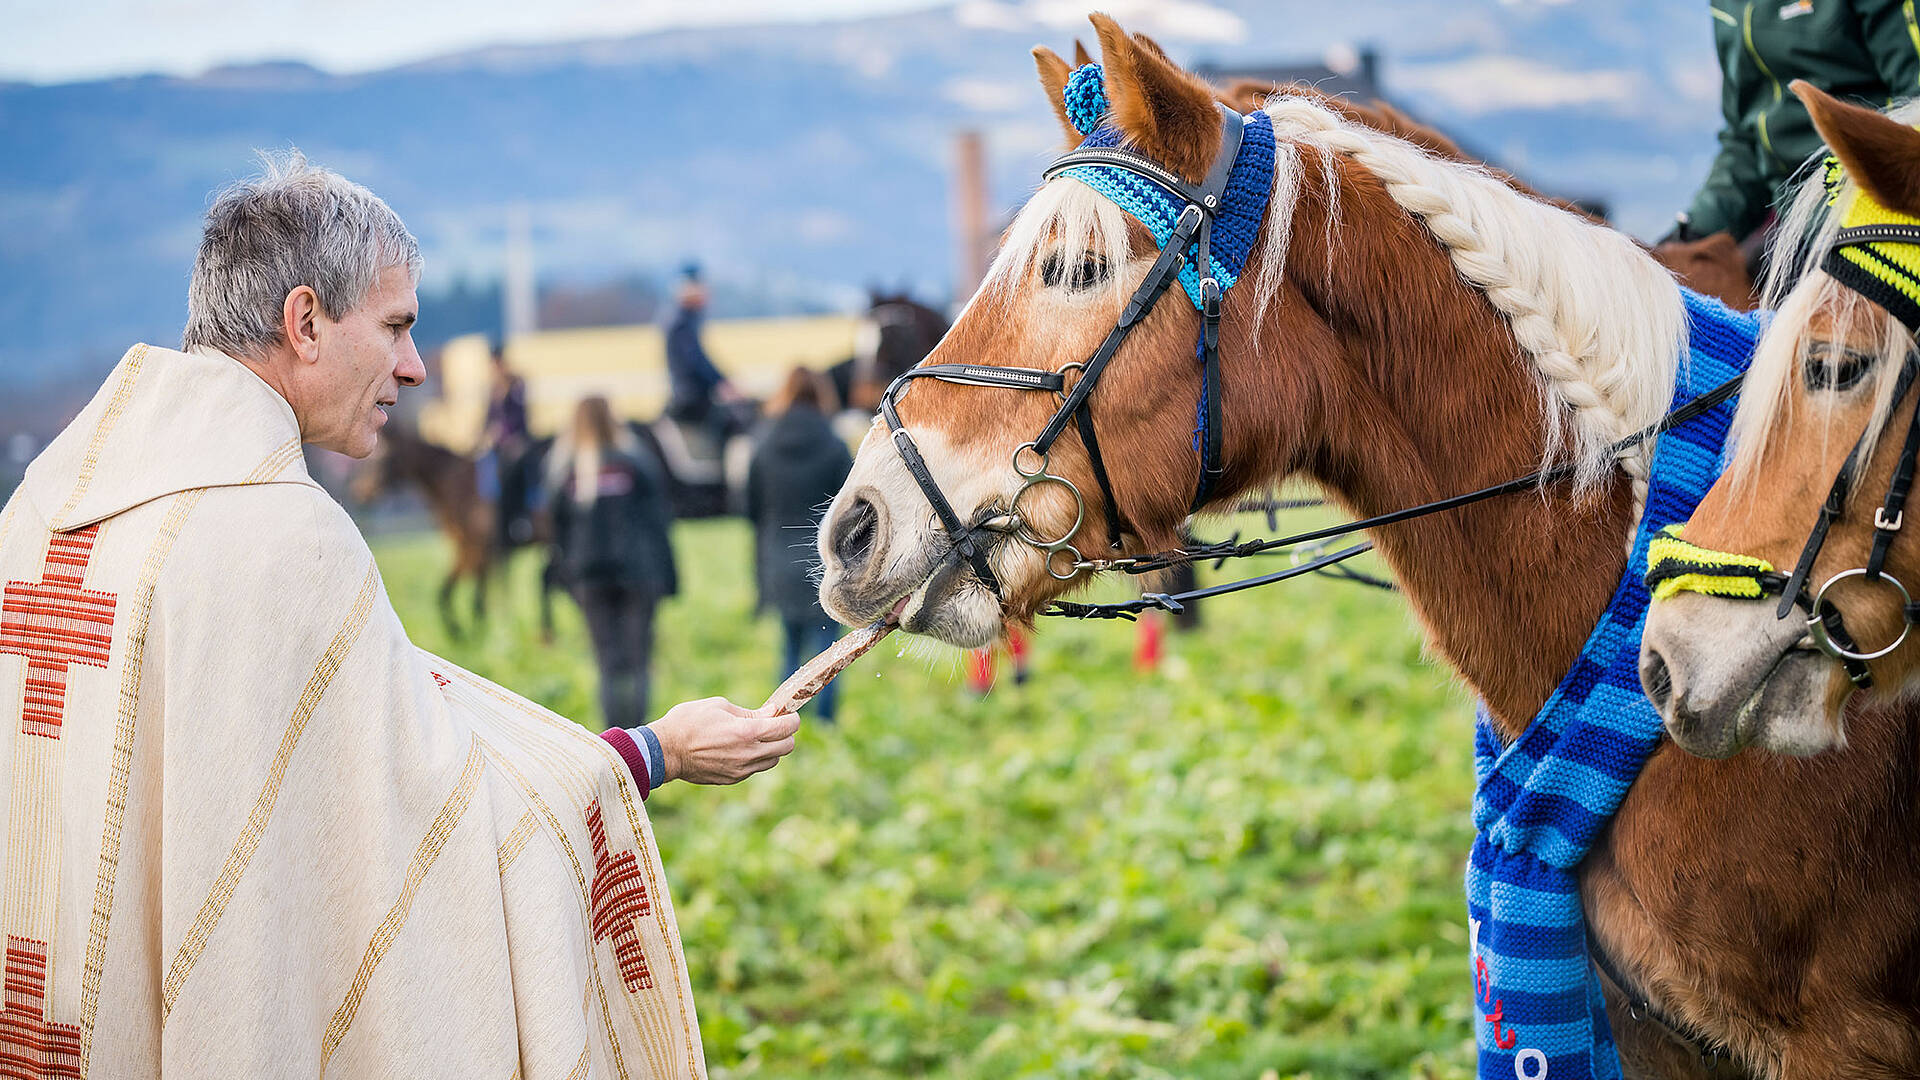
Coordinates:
[251,830]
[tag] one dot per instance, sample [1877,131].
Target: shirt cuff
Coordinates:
[623,743]
[656,755]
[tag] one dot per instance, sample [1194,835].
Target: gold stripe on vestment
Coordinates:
[569,772]
[248,841]
[544,743]
[662,914]
[452,812]
[120,766]
[595,985]
[516,840]
[131,364]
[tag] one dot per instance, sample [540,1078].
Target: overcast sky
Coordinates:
[59,42]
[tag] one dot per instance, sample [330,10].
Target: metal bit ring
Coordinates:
[1817,627]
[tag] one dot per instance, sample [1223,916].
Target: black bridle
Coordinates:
[1031,459]
[1193,229]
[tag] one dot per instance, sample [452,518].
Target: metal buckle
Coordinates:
[1817,628]
[1060,395]
[1880,519]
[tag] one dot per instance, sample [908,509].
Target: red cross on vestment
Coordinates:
[55,624]
[619,897]
[31,1046]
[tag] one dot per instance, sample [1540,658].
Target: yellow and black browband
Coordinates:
[1876,251]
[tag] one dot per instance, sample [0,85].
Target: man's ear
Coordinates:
[1880,153]
[299,318]
[1162,111]
[1053,79]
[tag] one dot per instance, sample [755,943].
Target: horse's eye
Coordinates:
[1091,271]
[1835,367]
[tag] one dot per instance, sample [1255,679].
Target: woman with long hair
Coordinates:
[610,520]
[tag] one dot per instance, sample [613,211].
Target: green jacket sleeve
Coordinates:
[1891,32]
[1735,195]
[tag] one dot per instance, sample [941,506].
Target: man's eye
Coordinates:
[1835,367]
[1091,271]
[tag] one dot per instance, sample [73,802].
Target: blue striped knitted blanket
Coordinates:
[1542,800]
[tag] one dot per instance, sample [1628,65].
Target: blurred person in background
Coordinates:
[795,471]
[1865,51]
[611,520]
[231,770]
[696,385]
[504,440]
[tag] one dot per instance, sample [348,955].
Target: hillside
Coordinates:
[799,162]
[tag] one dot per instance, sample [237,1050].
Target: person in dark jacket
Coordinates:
[795,470]
[610,523]
[694,383]
[1865,51]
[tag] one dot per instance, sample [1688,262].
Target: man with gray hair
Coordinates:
[251,829]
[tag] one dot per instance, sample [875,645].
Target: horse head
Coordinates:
[1826,395]
[1394,326]
[1054,290]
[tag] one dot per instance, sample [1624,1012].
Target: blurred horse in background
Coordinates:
[449,484]
[897,333]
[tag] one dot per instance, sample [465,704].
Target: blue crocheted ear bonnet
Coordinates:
[1236,223]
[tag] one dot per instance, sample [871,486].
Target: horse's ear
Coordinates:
[1053,79]
[1081,57]
[1164,112]
[1150,45]
[1880,153]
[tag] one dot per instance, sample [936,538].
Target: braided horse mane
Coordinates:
[1601,320]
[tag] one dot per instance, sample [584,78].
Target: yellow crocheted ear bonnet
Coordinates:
[1876,253]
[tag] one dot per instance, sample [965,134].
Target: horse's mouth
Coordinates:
[929,607]
[1775,713]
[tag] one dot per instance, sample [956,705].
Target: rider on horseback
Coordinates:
[696,384]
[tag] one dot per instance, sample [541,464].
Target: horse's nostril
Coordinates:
[1656,679]
[854,533]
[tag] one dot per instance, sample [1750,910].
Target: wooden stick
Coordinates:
[815,674]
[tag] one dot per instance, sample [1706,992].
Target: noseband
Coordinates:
[1876,254]
[1032,460]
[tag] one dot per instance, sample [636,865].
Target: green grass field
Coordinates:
[1244,865]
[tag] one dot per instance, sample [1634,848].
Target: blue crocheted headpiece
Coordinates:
[1236,224]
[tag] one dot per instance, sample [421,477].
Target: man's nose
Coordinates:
[411,371]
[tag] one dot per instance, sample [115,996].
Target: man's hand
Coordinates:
[714,741]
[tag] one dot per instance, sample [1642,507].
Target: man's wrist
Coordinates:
[656,754]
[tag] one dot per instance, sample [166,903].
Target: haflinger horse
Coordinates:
[1825,430]
[1404,328]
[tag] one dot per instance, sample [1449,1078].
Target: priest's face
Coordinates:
[365,357]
